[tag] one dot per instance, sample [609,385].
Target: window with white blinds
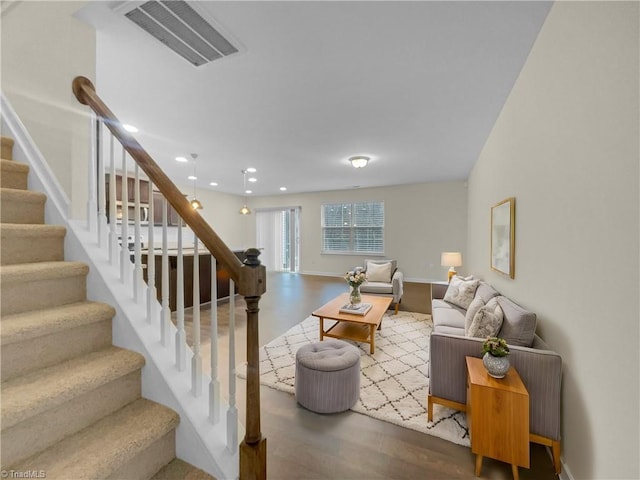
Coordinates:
[356,228]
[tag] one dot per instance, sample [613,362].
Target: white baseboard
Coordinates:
[565,474]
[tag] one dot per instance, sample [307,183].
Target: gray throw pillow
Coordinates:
[461,292]
[471,312]
[487,321]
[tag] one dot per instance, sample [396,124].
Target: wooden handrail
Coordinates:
[250,276]
[86,94]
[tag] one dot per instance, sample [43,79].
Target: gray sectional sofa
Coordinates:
[538,366]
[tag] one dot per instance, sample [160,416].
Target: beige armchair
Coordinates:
[383,278]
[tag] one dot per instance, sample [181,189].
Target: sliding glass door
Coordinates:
[278,234]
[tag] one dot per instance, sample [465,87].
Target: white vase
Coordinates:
[497,367]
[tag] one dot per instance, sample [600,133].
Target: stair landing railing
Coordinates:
[249,276]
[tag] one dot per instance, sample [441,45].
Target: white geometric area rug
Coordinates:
[393,382]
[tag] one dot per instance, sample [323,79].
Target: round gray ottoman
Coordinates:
[328,376]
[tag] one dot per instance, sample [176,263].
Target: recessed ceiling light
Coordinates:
[252,179]
[181,159]
[283,189]
[192,177]
[129,128]
[213,184]
[248,191]
[251,170]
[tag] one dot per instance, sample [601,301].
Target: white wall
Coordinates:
[566,146]
[421,221]
[220,210]
[43,49]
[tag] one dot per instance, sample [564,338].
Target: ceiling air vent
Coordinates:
[183,30]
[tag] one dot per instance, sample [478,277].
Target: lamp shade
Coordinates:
[451,259]
[245,210]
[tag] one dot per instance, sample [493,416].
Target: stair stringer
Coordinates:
[198,441]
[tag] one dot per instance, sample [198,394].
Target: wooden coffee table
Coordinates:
[360,328]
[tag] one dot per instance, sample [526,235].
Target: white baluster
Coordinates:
[181,337]
[166,311]
[92,194]
[102,218]
[151,262]
[113,234]
[124,228]
[214,385]
[137,271]
[232,412]
[196,361]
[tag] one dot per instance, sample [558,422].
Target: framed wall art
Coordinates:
[503,242]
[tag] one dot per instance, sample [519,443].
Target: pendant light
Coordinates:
[245,210]
[195,203]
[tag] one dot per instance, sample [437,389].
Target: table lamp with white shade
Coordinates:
[451,260]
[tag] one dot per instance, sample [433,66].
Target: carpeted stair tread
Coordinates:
[26,196]
[6,147]
[21,206]
[8,165]
[25,230]
[29,243]
[13,174]
[25,326]
[181,470]
[41,285]
[30,394]
[100,449]
[28,272]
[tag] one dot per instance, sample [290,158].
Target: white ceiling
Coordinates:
[415,85]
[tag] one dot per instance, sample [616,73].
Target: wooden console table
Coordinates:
[498,416]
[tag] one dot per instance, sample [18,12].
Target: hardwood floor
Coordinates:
[345,446]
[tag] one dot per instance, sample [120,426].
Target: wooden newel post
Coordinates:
[253,449]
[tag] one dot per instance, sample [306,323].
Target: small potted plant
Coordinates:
[495,351]
[355,279]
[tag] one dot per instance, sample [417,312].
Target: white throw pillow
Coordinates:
[461,292]
[475,305]
[379,272]
[487,321]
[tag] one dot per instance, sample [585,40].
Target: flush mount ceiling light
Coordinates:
[130,128]
[181,159]
[245,210]
[359,161]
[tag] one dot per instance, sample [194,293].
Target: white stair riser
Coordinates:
[23,357]
[33,435]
